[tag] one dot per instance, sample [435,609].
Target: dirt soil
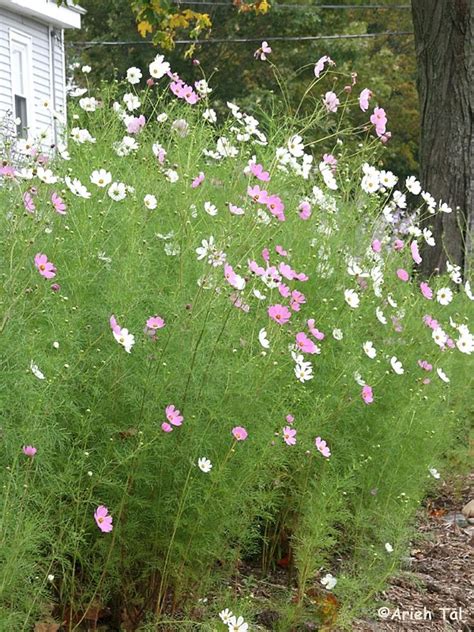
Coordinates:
[438,582]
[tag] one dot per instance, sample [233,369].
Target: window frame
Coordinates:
[23,42]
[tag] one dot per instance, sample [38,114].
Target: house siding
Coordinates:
[42,72]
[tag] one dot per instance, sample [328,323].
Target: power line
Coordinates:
[296,7]
[241,40]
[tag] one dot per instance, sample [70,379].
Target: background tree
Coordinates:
[444,39]
[385,64]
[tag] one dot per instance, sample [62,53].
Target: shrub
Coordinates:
[179,297]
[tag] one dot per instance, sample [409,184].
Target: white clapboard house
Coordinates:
[32,64]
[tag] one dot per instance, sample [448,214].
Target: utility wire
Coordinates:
[297,7]
[240,40]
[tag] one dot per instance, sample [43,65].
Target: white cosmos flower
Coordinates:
[444,296]
[117,191]
[237,624]
[304,372]
[412,185]
[428,235]
[159,67]
[210,209]
[171,175]
[295,146]
[434,472]
[204,465]
[391,301]
[46,175]
[369,349]
[388,179]
[380,315]
[150,202]
[181,127]
[262,338]
[124,338]
[226,616]
[467,289]
[77,188]
[444,208]
[400,199]
[465,343]
[134,75]
[370,183]
[35,370]
[162,118]
[337,334]
[358,379]
[352,298]
[88,104]
[439,336]
[259,295]
[388,547]
[397,366]
[131,101]
[101,178]
[209,115]
[442,375]
[207,246]
[328,581]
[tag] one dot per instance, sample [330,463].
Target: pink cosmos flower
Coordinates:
[364,98]
[431,322]
[173,415]
[398,244]
[305,344]
[198,180]
[276,207]
[286,271]
[29,450]
[259,173]
[379,119]
[415,252]
[166,427]
[426,290]
[236,301]
[240,434]
[44,267]
[103,519]
[323,447]
[257,194]
[367,394]
[266,255]
[281,251]
[330,160]
[28,202]
[450,343]
[290,419]
[58,204]
[313,331]
[425,365]
[331,101]
[319,66]
[155,322]
[297,299]
[289,435]
[235,210]
[284,290]
[7,171]
[301,276]
[136,124]
[279,313]
[304,210]
[402,274]
[114,325]
[255,268]
[262,52]
[55,287]
[376,245]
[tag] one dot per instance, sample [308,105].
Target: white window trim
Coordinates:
[24,40]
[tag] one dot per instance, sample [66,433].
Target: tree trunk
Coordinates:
[444,32]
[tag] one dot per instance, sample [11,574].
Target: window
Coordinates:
[20,50]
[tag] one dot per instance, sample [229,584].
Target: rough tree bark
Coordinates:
[444,42]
